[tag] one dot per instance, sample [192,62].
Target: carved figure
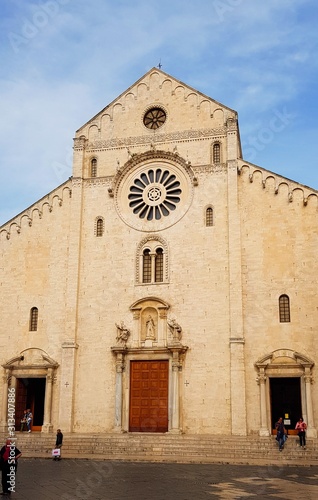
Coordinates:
[123,333]
[150,328]
[175,329]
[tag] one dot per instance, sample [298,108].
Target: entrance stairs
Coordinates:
[181,448]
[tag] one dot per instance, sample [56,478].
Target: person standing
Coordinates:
[281,433]
[58,442]
[29,418]
[9,455]
[23,420]
[301,426]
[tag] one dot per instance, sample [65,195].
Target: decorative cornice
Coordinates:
[276,183]
[209,169]
[149,350]
[58,195]
[184,135]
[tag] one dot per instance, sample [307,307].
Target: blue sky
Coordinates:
[62,61]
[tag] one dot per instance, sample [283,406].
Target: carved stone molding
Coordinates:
[209,169]
[150,139]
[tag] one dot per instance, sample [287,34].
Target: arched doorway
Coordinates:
[31,375]
[285,378]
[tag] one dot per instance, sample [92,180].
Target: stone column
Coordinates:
[119,392]
[4,407]
[262,384]
[153,267]
[311,430]
[175,410]
[47,425]
[67,386]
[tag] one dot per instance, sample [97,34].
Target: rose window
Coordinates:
[154,118]
[154,194]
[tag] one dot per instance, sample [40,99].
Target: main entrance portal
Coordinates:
[285,401]
[148,409]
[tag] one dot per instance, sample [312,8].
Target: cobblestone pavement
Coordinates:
[69,479]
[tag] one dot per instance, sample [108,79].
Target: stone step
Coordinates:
[180,448]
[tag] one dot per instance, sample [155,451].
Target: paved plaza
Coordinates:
[69,479]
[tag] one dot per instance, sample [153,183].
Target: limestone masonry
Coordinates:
[167,284]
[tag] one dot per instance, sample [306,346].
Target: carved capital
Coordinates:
[308,379]
[120,363]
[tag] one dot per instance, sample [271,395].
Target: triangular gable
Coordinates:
[145,79]
[186,108]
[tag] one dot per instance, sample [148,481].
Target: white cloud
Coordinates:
[67,63]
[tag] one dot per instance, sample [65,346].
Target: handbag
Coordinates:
[56,452]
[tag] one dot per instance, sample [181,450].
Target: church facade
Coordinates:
[167,285]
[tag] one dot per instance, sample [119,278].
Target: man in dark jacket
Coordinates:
[281,433]
[58,442]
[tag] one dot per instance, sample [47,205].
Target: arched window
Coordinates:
[209,216]
[159,265]
[284,309]
[94,167]
[216,153]
[146,266]
[99,227]
[34,313]
[152,261]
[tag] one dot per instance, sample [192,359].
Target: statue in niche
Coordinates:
[175,329]
[150,328]
[123,334]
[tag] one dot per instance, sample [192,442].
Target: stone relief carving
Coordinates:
[131,141]
[175,330]
[123,334]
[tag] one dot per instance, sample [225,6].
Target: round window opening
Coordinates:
[154,194]
[154,118]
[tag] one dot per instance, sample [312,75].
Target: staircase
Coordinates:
[171,448]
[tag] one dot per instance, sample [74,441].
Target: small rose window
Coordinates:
[154,118]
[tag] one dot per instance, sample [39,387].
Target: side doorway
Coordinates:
[285,397]
[30,393]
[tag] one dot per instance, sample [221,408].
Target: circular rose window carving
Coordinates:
[154,195]
[154,118]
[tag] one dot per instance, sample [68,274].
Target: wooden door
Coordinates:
[30,393]
[36,397]
[148,409]
[20,403]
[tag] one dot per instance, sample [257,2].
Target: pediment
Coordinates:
[154,302]
[284,357]
[180,106]
[31,358]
